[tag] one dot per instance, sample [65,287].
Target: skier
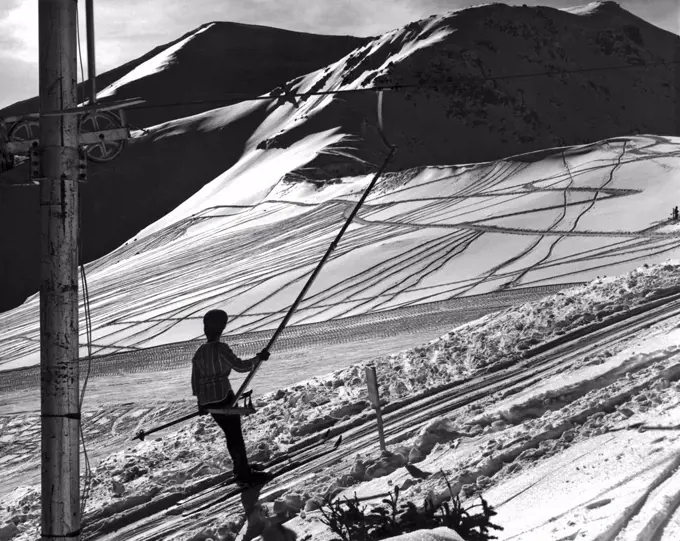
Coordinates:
[676,213]
[211,367]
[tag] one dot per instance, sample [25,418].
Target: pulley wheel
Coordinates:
[27,129]
[103,151]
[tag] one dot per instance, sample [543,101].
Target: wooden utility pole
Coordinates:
[58,149]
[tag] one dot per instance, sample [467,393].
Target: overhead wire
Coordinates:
[88,326]
[88,316]
[237,97]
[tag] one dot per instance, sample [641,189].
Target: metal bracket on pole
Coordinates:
[35,175]
[84,139]
[6,157]
[246,409]
[101,138]
[103,133]
[34,164]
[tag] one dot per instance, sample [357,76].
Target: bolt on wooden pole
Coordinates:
[59,278]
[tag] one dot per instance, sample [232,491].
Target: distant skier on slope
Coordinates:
[211,366]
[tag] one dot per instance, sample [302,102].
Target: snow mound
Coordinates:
[436,534]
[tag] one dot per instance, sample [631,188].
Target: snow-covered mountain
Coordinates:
[187,76]
[497,80]
[489,104]
[562,412]
[195,72]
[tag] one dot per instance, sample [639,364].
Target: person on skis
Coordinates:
[211,366]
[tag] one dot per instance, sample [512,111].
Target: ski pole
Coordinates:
[143,434]
[311,279]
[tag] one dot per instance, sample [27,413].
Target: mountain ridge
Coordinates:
[280,48]
[481,112]
[104,201]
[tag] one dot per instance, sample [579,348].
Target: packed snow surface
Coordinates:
[248,241]
[589,445]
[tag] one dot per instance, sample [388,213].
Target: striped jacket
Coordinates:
[211,366]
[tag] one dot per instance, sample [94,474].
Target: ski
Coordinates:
[291,465]
[270,464]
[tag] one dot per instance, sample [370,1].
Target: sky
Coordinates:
[126,29]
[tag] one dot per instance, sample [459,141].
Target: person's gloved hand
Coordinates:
[263,355]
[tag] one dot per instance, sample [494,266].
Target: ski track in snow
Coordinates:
[492,429]
[435,227]
[414,416]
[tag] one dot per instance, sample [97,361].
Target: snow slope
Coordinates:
[248,240]
[154,65]
[579,443]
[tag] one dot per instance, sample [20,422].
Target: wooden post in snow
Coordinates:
[59,408]
[374,397]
